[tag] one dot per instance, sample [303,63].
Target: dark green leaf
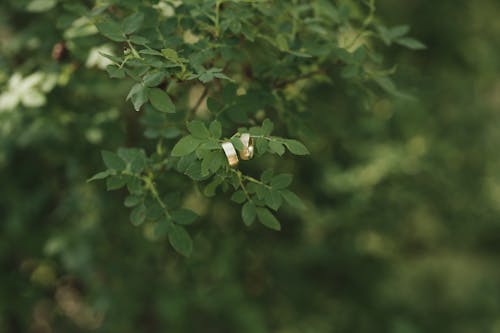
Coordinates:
[180,240]
[281,181]
[115,182]
[138,215]
[248,213]
[132,23]
[268,219]
[296,147]
[113,161]
[161,101]
[292,199]
[184,216]
[132,200]
[185,146]
[198,129]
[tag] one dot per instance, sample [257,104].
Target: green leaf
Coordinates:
[296,147]
[115,182]
[99,175]
[114,72]
[248,212]
[292,199]
[112,30]
[410,43]
[153,79]
[185,146]
[113,161]
[132,200]
[161,101]
[184,216]
[138,95]
[198,129]
[215,129]
[268,219]
[238,145]
[276,147]
[267,127]
[239,197]
[180,240]
[138,215]
[281,181]
[132,23]
[41,5]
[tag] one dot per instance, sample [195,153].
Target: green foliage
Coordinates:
[372,187]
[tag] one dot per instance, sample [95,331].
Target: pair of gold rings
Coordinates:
[245,154]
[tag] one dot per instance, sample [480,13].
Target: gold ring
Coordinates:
[247,152]
[232,157]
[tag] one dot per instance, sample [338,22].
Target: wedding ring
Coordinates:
[230,152]
[247,152]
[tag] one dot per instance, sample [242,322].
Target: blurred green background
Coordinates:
[402,231]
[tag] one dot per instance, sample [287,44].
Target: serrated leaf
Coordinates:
[281,181]
[138,215]
[296,147]
[113,161]
[248,213]
[180,240]
[185,146]
[184,216]
[40,5]
[132,23]
[267,218]
[198,129]
[161,101]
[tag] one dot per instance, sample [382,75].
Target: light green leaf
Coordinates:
[41,5]
[99,175]
[216,129]
[161,101]
[180,240]
[268,219]
[411,43]
[185,146]
[138,95]
[112,30]
[276,147]
[198,129]
[112,161]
